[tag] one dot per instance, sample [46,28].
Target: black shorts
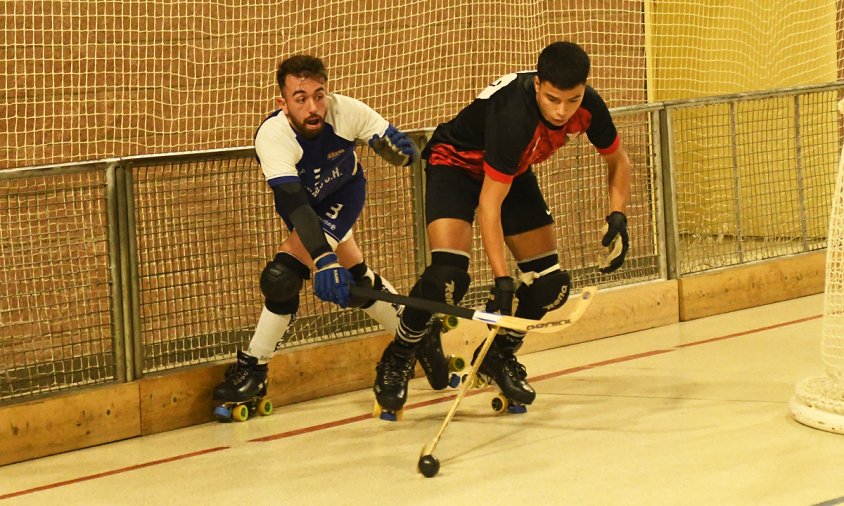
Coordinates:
[453,193]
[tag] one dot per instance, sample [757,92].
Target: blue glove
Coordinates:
[395,147]
[332,281]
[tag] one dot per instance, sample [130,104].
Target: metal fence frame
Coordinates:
[123,254]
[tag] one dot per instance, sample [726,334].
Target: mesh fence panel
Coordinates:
[55,319]
[753,178]
[206,227]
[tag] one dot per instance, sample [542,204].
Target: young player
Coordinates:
[306,150]
[479,164]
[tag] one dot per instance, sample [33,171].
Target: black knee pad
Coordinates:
[442,283]
[545,293]
[281,281]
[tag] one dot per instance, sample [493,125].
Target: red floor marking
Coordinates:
[359,418]
[439,400]
[598,364]
[112,472]
[753,331]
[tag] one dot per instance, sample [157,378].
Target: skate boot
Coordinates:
[242,393]
[501,367]
[440,370]
[391,376]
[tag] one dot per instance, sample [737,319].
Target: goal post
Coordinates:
[818,401]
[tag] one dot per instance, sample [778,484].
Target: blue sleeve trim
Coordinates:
[283,179]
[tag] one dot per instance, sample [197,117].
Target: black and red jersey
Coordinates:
[502,132]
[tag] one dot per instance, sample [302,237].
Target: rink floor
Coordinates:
[691,413]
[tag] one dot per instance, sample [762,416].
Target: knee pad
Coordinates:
[542,292]
[442,283]
[281,281]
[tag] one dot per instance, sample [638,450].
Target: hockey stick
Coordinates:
[508,322]
[428,465]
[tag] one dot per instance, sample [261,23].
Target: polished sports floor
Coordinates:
[689,414]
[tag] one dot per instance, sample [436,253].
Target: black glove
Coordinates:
[501,296]
[615,229]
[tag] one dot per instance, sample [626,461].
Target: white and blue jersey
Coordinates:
[326,166]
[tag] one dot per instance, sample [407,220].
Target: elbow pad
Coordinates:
[293,202]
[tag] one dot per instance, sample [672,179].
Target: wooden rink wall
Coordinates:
[173,400]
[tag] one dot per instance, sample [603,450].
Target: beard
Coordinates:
[310,128]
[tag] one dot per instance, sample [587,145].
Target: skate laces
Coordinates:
[511,364]
[396,370]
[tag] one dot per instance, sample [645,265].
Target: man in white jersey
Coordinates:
[306,150]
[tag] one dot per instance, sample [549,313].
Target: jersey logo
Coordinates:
[334,154]
[449,292]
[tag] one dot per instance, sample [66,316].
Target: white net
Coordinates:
[85,80]
[819,401]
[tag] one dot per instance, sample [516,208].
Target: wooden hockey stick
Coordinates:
[508,322]
[428,465]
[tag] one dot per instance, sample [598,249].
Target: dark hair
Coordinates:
[301,65]
[563,64]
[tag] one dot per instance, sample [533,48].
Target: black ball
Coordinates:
[429,466]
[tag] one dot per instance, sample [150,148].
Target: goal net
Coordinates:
[819,400]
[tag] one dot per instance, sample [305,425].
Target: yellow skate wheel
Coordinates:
[499,403]
[265,407]
[240,412]
[450,322]
[456,364]
[376,410]
[480,382]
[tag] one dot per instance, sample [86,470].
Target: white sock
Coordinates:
[383,312]
[269,332]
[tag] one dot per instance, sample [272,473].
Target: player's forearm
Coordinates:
[492,236]
[618,182]
[489,220]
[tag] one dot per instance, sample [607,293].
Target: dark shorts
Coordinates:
[339,211]
[453,193]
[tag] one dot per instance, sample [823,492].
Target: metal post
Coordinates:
[736,183]
[420,234]
[801,192]
[671,230]
[122,365]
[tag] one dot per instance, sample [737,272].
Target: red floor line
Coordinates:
[752,331]
[602,363]
[439,400]
[112,472]
[359,418]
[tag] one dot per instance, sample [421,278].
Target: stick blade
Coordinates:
[556,325]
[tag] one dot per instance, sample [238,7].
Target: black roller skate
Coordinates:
[242,393]
[391,376]
[501,367]
[440,370]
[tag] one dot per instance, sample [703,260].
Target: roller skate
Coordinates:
[391,376]
[440,370]
[501,367]
[242,393]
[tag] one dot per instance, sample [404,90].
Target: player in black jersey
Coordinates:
[479,165]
